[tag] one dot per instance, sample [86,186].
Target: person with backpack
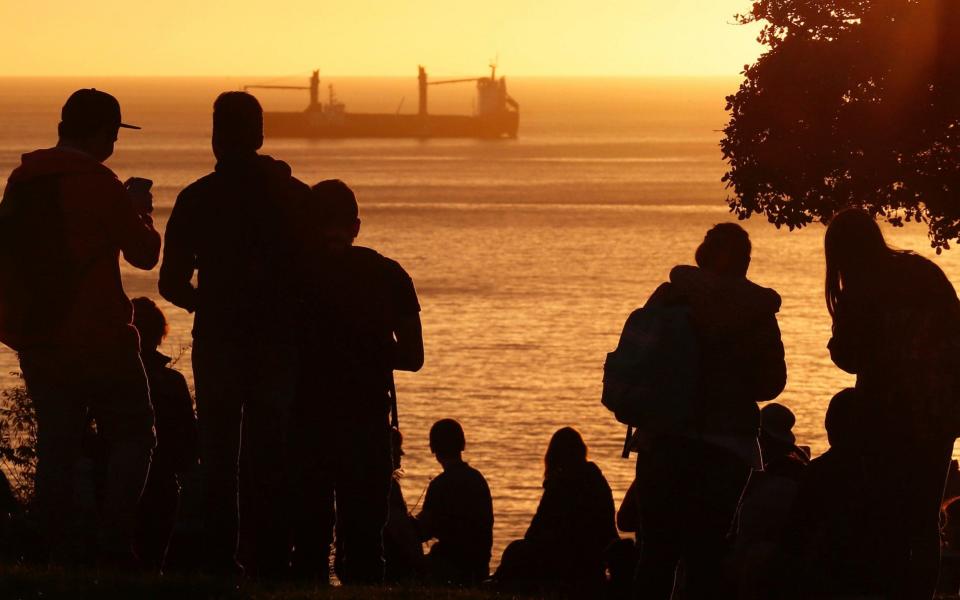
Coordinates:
[702,352]
[65,220]
[235,228]
[361,322]
[896,325]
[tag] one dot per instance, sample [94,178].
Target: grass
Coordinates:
[32,583]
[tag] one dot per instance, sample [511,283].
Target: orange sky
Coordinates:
[373,37]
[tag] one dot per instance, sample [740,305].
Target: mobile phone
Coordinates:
[139,185]
[139,190]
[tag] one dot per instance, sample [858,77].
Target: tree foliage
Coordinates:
[854,103]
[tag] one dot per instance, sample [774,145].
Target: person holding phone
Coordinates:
[65,220]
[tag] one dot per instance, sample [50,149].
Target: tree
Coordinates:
[854,103]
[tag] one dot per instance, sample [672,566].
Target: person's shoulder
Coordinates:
[475,476]
[174,376]
[197,191]
[200,186]
[378,262]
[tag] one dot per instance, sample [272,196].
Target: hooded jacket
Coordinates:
[235,229]
[95,223]
[741,353]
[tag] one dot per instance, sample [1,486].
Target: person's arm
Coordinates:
[409,348]
[628,517]
[849,335]
[179,256]
[407,330]
[132,232]
[769,363]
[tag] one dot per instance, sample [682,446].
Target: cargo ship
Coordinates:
[497,115]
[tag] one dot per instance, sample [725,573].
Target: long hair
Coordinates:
[566,449]
[855,250]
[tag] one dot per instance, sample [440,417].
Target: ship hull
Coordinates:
[313,124]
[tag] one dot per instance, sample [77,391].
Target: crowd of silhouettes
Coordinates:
[294,450]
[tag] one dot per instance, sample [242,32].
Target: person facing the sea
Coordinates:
[362,321]
[235,229]
[402,550]
[833,541]
[896,325]
[177,439]
[574,524]
[690,479]
[457,512]
[64,221]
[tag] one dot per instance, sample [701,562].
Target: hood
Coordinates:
[723,302]
[257,166]
[56,161]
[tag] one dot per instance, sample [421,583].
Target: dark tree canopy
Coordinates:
[855,103]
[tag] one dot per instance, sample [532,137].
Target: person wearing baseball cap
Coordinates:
[65,219]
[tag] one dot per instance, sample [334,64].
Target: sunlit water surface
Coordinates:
[527,255]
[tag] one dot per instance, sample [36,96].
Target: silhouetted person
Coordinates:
[896,325]
[177,441]
[833,541]
[768,501]
[402,550]
[362,323]
[778,444]
[457,512]
[67,219]
[564,546]
[690,480]
[234,229]
[949,581]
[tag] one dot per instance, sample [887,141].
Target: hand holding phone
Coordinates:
[138,189]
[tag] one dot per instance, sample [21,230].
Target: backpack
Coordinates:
[35,278]
[650,380]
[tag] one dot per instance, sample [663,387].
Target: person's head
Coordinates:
[855,251]
[396,448]
[566,449]
[725,250]
[447,441]
[237,125]
[90,121]
[334,207]
[842,420]
[777,421]
[150,323]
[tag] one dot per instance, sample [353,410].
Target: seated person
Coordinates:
[457,512]
[177,448]
[768,501]
[832,541]
[781,455]
[402,550]
[574,523]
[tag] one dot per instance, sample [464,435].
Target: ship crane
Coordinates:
[314,88]
[491,93]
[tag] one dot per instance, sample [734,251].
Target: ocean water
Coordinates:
[527,254]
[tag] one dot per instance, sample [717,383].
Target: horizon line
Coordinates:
[367,76]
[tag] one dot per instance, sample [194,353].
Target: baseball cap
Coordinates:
[87,110]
